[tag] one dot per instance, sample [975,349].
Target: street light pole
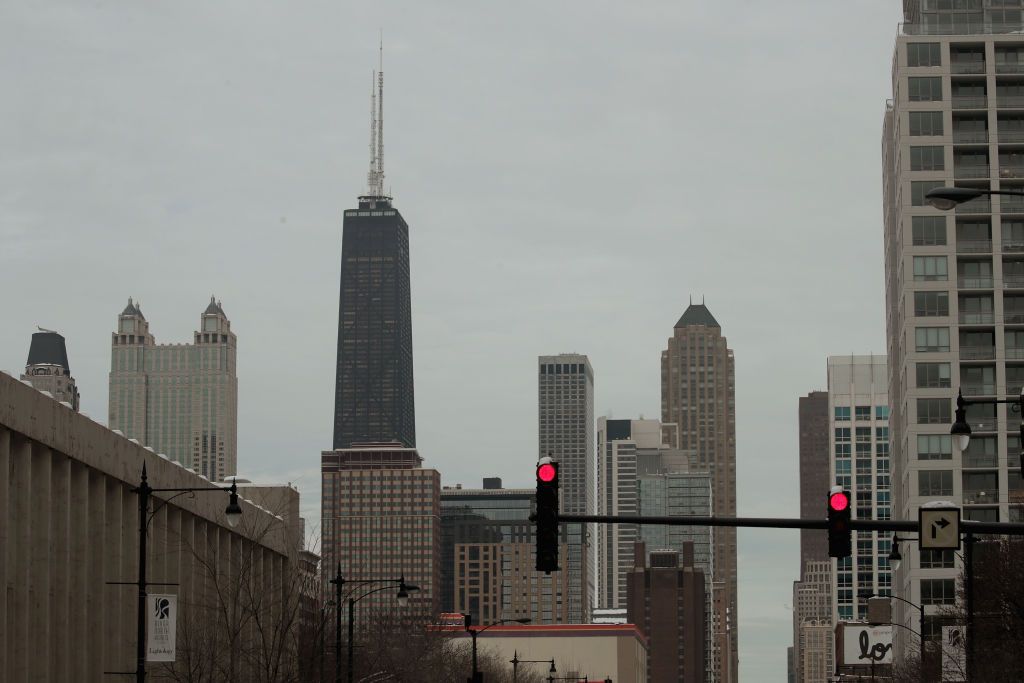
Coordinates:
[515,662]
[969,588]
[477,676]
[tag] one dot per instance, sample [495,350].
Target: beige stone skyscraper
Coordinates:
[179,399]
[698,393]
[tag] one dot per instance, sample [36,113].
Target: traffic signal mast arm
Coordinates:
[1012,528]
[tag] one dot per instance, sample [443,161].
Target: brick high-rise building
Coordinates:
[47,367]
[698,394]
[179,399]
[666,600]
[814,473]
[382,519]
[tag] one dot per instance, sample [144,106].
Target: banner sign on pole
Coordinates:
[161,627]
[865,644]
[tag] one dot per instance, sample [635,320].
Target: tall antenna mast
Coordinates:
[375,177]
[372,174]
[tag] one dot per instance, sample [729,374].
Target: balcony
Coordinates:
[981,497]
[972,101]
[1013,317]
[974,282]
[1010,101]
[967,67]
[1012,245]
[975,206]
[978,318]
[960,28]
[967,137]
[986,460]
[974,246]
[1009,68]
[1011,135]
[978,389]
[1015,496]
[1013,282]
[1014,353]
[1011,204]
[973,171]
[983,424]
[977,353]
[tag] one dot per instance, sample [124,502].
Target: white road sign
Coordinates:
[939,528]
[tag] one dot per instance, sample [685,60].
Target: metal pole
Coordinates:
[351,638]
[140,643]
[969,588]
[337,625]
[476,673]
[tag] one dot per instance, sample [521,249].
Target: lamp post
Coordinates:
[946,198]
[233,512]
[515,662]
[402,597]
[478,677]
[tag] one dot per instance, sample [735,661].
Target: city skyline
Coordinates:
[486,259]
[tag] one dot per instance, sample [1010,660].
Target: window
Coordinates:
[928,304]
[930,268]
[933,411]
[923,54]
[881,412]
[938,591]
[862,413]
[927,159]
[928,231]
[924,89]
[926,123]
[931,339]
[863,434]
[842,413]
[936,559]
[935,482]
[934,447]
[842,434]
[919,188]
[933,375]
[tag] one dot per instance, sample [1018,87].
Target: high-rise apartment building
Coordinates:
[382,519]
[488,559]
[373,399]
[179,399]
[566,433]
[812,615]
[954,280]
[698,395]
[666,599]
[859,419]
[815,473]
[47,367]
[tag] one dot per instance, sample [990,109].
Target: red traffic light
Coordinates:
[547,472]
[839,501]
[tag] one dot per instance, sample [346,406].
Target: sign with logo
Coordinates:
[865,644]
[939,528]
[161,625]
[954,654]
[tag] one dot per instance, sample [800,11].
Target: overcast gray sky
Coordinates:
[572,172]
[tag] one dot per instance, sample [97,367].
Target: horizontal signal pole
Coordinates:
[1011,528]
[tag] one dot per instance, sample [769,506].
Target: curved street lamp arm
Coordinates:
[497,623]
[375,590]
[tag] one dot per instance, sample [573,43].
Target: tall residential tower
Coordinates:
[178,399]
[698,394]
[954,280]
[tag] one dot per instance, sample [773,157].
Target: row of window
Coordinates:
[930,231]
[860,413]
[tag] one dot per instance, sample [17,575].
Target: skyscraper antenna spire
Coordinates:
[375,177]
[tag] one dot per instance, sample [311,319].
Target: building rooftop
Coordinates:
[697,314]
[48,348]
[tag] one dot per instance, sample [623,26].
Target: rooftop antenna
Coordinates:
[375,177]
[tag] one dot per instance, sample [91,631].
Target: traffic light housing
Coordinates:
[547,515]
[839,523]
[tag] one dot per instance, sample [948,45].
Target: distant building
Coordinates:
[812,612]
[566,432]
[488,558]
[179,399]
[667,603]
[815,478]
[47,368]
[859,421]
[584,652]
[698,395]
[382,519]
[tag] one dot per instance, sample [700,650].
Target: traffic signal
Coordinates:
[547,515]
[838,522]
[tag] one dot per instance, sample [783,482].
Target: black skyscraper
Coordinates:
[373,400]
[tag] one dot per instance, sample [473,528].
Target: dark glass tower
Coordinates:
[373,400]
